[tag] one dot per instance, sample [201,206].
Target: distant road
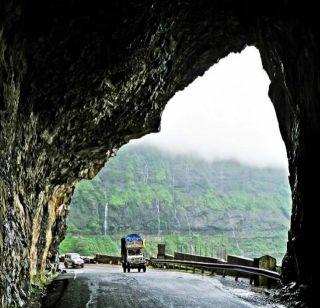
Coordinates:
[104,286]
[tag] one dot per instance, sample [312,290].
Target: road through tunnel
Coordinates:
[77,81]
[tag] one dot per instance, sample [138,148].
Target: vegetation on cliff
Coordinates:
[172,197]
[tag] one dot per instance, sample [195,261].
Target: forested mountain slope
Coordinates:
[156,193]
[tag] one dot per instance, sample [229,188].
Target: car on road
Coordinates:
[73,260]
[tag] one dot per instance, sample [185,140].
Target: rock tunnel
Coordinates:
[80,79]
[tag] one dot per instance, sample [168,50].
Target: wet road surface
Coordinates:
[104,286]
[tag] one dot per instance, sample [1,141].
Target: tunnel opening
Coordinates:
[77,86]
[213,181]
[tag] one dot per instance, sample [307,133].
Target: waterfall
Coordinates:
[188,223]
[158,213]
[174,204]
[146,172]
[221,178]
[234,234]
[187,175]
[105,224]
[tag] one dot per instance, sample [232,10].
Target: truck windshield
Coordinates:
[134,252]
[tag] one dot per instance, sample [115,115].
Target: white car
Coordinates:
[73,260]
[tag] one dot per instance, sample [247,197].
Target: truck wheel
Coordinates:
[139,269]
[144,269]
[82,265]
[66,265]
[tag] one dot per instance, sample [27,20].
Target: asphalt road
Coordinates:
[103,286]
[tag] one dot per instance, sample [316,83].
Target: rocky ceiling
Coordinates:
[78,79]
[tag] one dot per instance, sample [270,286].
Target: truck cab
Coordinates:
[132,253]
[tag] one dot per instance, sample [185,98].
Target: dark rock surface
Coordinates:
[79,79]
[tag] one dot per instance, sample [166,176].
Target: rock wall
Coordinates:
[79,79]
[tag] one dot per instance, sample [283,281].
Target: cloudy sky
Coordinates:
[225,114]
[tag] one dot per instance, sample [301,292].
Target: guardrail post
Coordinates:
[264,262]
[161,251]
[251,279]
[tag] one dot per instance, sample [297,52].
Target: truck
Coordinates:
[132,256]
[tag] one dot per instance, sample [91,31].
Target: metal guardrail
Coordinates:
[223,266]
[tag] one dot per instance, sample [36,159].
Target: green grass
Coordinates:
[90,245]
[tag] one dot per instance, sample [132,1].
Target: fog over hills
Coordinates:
[225,114]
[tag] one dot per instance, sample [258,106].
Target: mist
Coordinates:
[225,114]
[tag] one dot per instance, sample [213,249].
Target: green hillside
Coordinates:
[161,195]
